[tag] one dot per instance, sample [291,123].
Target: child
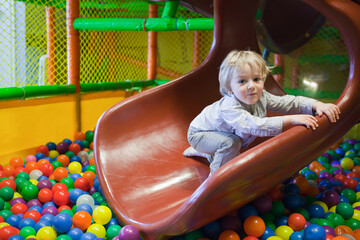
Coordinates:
[224,127]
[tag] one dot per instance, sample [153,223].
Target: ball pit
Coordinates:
[55,194]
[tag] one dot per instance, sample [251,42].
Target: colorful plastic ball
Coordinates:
[46,168]
[99,230]
[45,195]
[53,154]
[353,223]
[75,194]
[90,176]
[284,232]
[314,232]
[63,159]
[263,204]
[8,231]
[254,226]
[343,229]
[6,193]
[345,210]
[82,220]
[246,211]
[347,163]
[229,222]
[296,236]
[75,167]
[62,222]
[61,197]
[294,201]
[129,232]
[316,211]
[46,233]
[68,182]
[85,207]
[296,221]
[29,192]
[41,224]
[14,220]
[350,195]
[102,215]
[30,158]
[225,235]
[250,238]
[75,148]
[19,208]
[85,199]
[88,236]
[62,147]
[60,173]
[82,183]
[34,202]
[75,233]
[330,198]
[44,183]
[27,231]
[27,222]
[50,210]
[329,230]
[33,214]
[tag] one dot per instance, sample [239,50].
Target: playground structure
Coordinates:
[145,178]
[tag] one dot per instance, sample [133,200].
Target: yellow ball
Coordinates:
[102,215]
[4,224]
[46,233]
[97,229]
[356,214]
[323,205]
[17,195]
[33,181]
[75,167]
[53,153]
[31,236]
[274,238]
[347,163]
[356,204]
[332,209]
[284,232]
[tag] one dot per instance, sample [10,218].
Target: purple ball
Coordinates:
[329,230]
[44,183]
[34,202]
[327,155]
[331,198]
[116,238]
[129,232]
[339,171]
[231,222]
[352,141]
[357,207]
[92,190]
[17,200]
[50,210]
[62,147]
[263,204]
[325,175]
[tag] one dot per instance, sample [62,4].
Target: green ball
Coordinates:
[194,235]
[311,176]
[68,182]
[345,210]
[325,222]
[2,204]
[63,237]
[332,169]
[22,184]
[5,214]
[91,168]
[336,219]
[73,209]
[27,231]
[357,160]
[6,193]
[353,223]
[29,192]
[323,159]
[68,211]
[334,154]
[70,154]
[23,175]
[310,200]
[53,181]
[305,170]
[85,143]
[327,166]
[314,220]
[272,226]
[350,154]
[278,208]
[3,178]
[304,212]
[268,218]
[96,195]
[113,231]
[346,146]
[56,164]
[7,206]
[89,136]
[349,194]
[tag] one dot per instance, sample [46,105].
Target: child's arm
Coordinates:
[330,110]
[300,119]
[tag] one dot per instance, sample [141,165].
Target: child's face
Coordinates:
[247,84]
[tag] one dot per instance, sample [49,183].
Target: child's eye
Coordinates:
[242,81]
[257,79]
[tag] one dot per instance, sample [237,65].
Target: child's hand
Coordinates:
[301,119]
[330,110]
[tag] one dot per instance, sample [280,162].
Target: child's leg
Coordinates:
[192,152]
[221,146]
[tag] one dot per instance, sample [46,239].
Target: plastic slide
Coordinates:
[139,141]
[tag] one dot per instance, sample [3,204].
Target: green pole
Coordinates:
[170,9]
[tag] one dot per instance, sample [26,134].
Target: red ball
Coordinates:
[75,148]
[19,170]
[45,195]
[250,238]
[47,169]
[63,207]
[350,183]
[8,183]
[340,177]
[43,149]
[82,183]
[2,174]
[8,231]
[58,187]
[19,208]
[16,162]
[296,221]
[33,214]
[60,173]
[61,197]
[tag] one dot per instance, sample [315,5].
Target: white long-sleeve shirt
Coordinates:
[250,121]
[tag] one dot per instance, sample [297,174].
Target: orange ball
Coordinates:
[45,195]
[314,165]
[16,162]
[340,238]
[31,166]
[60,173]
[90,176]
[312,191]
[342,229]
[42,161]
[19,208]
[47,169]
[275,194]
[356,169]
[250,238]
[64,159]
[229,235]
[92,161]
[75,148]
[296,221]
[19,170]
[79,136]
[254,226]
[9,170]
[33,214]
[82,220]
[302,183]
[91,146]
[329,236]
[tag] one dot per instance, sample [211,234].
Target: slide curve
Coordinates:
[139,141]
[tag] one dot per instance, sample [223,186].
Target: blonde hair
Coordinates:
[233,61]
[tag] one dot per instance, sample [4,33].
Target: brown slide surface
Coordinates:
[139,141]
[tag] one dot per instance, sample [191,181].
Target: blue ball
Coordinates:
[88,236]
[27,222]
[75,159]
[14,220]
[291,188]
[68,141]
[39,155]
[51,146]
[344,199]
[314,232]
[326,183]
[316,211]
[49,204]
[42,223]
[357,188]
[81,144]
[296,236]
[49,217]
[112,222]
[75,176]
[293,201]
[75,194]
[36,208]
[340,151]
[281,221]
[267,233]
[75,233]
[62,222]
[84,207]
[212,230]
[16,237]
[247,211]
